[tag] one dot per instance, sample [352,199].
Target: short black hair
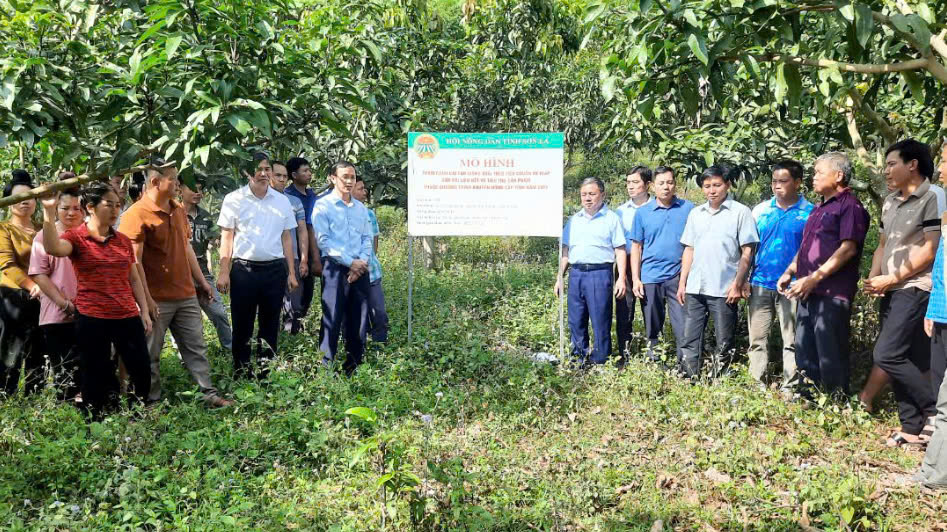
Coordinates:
[255,159]
[715,171]
[912,150]
[594,181]
[281,163]
[18,177]
[642,171]
[294,164]
[794,168]
[334,170]
[137,186]
[663,170]
[92,195]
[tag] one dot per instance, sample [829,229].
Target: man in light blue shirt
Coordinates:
[593,242]
[656,252]
[719,238]
[780,222]
[377,313]
[344,237]
[636,181]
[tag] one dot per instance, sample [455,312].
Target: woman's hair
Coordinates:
[92,195]
[136,186]
[20,177]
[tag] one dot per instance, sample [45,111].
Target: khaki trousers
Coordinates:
[764,305]
[183,318]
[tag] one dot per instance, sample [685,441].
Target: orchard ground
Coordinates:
[462,429]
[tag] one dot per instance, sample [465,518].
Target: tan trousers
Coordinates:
[183,317]
[764,305]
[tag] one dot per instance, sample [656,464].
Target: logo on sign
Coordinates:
[426,146]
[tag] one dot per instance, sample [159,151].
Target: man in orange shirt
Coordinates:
[158,228]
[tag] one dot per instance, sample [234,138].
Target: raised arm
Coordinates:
[54,245]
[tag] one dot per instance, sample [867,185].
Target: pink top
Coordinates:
[61,273]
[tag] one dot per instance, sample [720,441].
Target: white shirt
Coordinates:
[258,224]
[941,198]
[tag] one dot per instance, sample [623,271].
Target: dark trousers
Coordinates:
[625,319]
[21,343]
[657,298]
[94,340]
[377,313]
[308,286]
[697,310]
[590,299]
[938,356]
[344,306]
[60,340]
[256,292]
[903,350]
[822,348]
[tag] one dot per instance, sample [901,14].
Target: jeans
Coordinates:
[590,299]
[256,292]
[903,350]
[94,340]
[377,314]
[658,298]
[183,317]
[764,305]
[822,348]
[343,303]
[625,319]
[698,308]
[217,314]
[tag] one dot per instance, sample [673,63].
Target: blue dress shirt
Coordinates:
[343,231]
[593,239]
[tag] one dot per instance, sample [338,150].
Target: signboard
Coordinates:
[485,184]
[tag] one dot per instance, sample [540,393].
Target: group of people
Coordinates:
[794,262]
[88,297]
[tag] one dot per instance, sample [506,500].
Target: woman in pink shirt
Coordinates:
[57,280]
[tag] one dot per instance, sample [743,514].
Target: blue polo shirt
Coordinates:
[593,239]
[780,237]
[659,231]
[308,199]
[937,305]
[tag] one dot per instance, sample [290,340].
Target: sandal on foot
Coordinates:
[897,439]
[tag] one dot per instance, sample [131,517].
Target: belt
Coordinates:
[259,263]
[593,267]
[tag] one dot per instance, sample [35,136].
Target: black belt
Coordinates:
[593,267]
[259,263]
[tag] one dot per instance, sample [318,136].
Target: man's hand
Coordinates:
[620,287]
[153,308]
[929,327]
[803,287]
[303,269]
[292,283]
[223,283]
[204,291]
[735,292]
[360,266]
[747,291]
[315,266]
[557,289]
[637,288]
[879,284]
[783,283]
[681,293]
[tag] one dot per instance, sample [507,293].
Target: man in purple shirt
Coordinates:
[826,272]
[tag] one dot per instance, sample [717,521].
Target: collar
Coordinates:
[83,231]
[631,203]
[655,204]
[727,204]
[838,197]
[149,204]
[602,211]
[338,199]
[919,191]
[798,205]
[249,193]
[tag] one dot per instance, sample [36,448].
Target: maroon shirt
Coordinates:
[102,270]
[832,222]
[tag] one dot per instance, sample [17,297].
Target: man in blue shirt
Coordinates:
[377,314]
[300,239]
[719,237]
[344,237]
[592,243]
[637,181]
[656,251]
[780,222]
[301,175]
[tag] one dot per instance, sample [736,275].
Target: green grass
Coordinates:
[470,434]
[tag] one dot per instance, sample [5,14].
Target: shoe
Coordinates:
[219,402]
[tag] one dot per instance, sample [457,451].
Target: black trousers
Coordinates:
[343,303]
[256,293]
[625,319]
[938,356]
[697,309]
[657,298]
[60,339]
[903,350]
[21,343]
[822,348]
[308,288]
[94,340]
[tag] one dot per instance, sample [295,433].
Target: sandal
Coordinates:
[897,439]
[219,402]
[928,431]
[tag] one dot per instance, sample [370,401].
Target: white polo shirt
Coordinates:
[258,224]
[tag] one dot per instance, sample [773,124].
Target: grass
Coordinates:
[460,430]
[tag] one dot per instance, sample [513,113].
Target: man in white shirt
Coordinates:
[256,261]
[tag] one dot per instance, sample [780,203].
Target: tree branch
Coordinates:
[57,186]
[861,68]
[888,132]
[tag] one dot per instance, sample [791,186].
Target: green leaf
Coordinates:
[239,123]
[608,88]
[709,158]
[915,85]
[794,83]
[691,18]
[366,414]
[373,49]
[848,12]
[260,119]
[593,11]
[171,46]
[699,47]
[864,23]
